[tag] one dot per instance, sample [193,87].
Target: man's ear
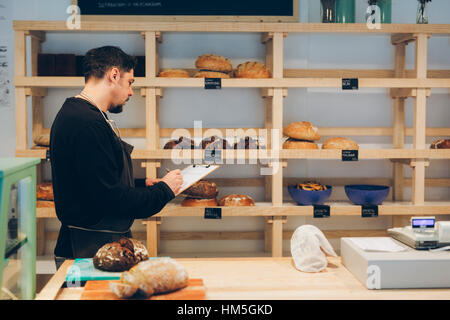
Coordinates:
[114,74]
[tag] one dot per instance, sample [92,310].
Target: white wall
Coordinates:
[245,108]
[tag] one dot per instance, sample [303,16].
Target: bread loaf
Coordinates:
[194,202]
[340,143]
[174,73]
[441,144]
[151,277]
[302,130]
[181,143]
[44,191]
[42,140]
[248,143]
[251,69]
[214,142]
[202,189]
[120,256]
[212,62]
[236,200]
[211,74]
[299,144]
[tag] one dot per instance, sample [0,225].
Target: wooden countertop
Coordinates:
[265,279]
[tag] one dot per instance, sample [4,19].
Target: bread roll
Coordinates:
[193,202]
[181,143]
[211,74]
[299,144]
[236,200]
[441,144]
[340,143]
[251,69]
[214,142]
[302,130]
[248,143]
[202,189]
[42,140]
[174,73]
[151,277]
[44,191]
[212,62]
[120,255]
[45,204]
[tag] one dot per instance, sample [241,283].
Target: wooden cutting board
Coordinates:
[99,290]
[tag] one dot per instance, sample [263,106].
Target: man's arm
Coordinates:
[97,166]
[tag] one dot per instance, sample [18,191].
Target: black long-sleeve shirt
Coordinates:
[87,161]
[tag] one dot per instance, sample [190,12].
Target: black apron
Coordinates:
[85,242]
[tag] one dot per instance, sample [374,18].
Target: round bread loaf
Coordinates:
[120,256]
[202,189]
[214,142]
[174,73]
[441,144]
[211,74]
[42,140]
[44,191]
[302,130]
[248,143]
[180,143]
[194,202]
[340,143]
[213,62]
[45,204]
[251,69]
[236,200]
[299,144]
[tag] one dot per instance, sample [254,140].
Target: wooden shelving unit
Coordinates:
[402,84]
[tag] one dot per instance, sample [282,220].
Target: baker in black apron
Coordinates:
[86,241]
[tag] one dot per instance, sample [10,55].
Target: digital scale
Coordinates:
[423,233]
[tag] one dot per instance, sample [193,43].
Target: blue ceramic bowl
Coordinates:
[308,197]
[362,194]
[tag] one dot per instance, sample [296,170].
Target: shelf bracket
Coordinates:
[415,162]
[267,36]
[146,163]
[158,36]
[159,92]
[404,93]
[39,35]
[36,92]
[268,92]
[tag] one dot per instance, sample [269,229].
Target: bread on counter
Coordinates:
[211,74]
[180,143]
[195,202]
[340,143]
[44,191]
[42,140]
[120,256]
[151,277]
[202,189]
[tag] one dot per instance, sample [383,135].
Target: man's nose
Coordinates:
[131,92]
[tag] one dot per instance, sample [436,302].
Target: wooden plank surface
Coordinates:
[113,26]
[99,290]
[276,278]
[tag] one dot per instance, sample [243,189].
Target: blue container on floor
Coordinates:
[308,197]
[363,194]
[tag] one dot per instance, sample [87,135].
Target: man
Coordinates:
[95,197]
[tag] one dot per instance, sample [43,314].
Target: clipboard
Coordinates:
[194,173]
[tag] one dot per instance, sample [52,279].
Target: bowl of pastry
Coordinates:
[310,193]
[365,194]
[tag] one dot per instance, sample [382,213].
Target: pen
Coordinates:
[167,170]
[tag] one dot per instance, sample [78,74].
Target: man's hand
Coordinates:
[150,182]
[174,180]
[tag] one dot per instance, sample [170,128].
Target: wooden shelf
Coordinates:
[264,154]
[265,209]
[78,82]
[39,25]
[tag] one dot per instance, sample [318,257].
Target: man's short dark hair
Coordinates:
[98,61]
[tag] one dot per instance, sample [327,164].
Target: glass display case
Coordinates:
[18,228]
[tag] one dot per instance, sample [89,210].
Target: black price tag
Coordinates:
[213,155]
[47,155]
[369,211]
[350,84]
[321,211]
[213,83]
[349,155]
[213,213]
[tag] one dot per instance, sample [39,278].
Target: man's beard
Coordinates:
[116,109]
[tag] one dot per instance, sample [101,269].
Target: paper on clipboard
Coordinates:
[194,173]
